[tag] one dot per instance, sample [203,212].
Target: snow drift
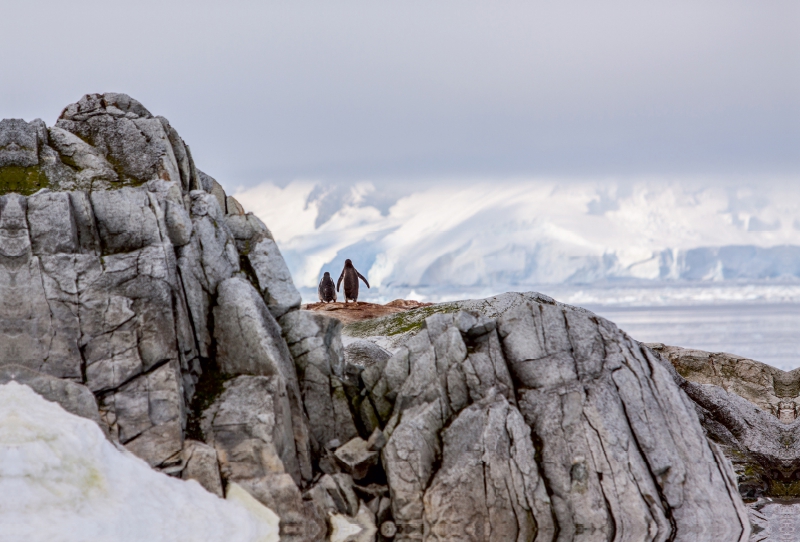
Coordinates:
[60,479]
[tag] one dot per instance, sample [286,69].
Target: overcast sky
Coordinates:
[430,89]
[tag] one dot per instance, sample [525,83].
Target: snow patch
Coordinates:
[60,479]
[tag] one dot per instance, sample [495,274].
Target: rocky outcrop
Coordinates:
[618,449]
[128,277]
[749,409]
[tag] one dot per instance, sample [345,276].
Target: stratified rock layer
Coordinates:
[129,277]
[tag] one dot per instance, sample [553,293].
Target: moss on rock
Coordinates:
[22,180]
[397,324]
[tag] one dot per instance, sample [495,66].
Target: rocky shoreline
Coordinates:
[135,293]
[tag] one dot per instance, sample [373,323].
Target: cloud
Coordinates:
[364,91]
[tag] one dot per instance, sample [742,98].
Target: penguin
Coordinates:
[326,290]
[350,276]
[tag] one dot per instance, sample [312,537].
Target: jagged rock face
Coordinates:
[598,440]
[750,410]
[135,281]
[109,276]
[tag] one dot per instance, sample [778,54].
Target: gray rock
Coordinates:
[19,143]
[365,353]
[126,134]
[128,317]
[315,343]
[488,487]
[208,259]
[93,170]
[249,341]
[610,417]
[147,282]
[377,440]
[333,494]
[247,229]
[248,338]
[233,207]
[774,521]
[274,280]
[356,458]
[749,409]
[388,529]
[210,185]
[147,415]
[201,465]
[574,377]
[250,425]
[769,388]
[300,521]
[182,155]
[125,220]
[52,229]
[178,223]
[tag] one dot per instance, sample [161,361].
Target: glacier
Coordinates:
[442,240]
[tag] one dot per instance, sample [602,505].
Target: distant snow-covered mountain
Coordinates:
[482,237]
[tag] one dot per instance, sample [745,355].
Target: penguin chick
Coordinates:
[350,276]
[326,290]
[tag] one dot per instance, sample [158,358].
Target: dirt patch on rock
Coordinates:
[350,312]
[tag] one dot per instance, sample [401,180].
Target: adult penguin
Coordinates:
[326,290]
[350,276]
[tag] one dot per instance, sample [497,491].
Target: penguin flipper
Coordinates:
[339,282]
[362,278]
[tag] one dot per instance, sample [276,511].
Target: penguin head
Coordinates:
[326,275]
[348,263]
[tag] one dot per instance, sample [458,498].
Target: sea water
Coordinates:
[767,332]
[759,321]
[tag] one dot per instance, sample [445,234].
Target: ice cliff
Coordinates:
[136,294]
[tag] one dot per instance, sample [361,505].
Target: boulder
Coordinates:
[315,344]
[248,338]
[574,381]
[274,280]
[617,434]
[334,494]
[363,353]
[94,171]
[127,135]
[749,409]
[148,415]
[488,486]
[19,144]
[356,458]
[250,426]
[200,464]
